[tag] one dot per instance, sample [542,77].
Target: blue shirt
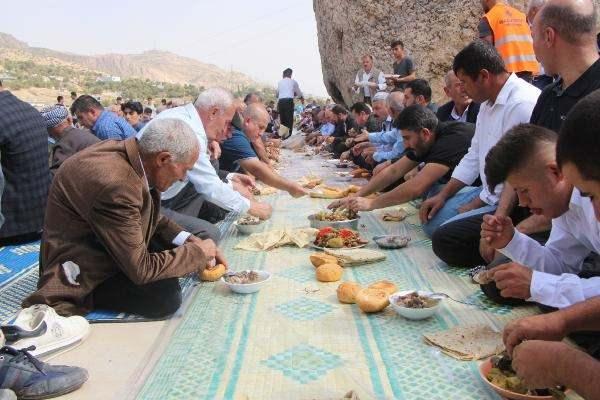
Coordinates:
[327,129]
[235,149]
[111,126]
[138,127]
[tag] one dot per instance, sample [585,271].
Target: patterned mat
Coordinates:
[19,276]
[294,340]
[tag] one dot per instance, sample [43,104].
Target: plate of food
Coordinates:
[497,372]
[249,224]
[248,281]
[332,238]
[338,218]
[415,304]
[391,241]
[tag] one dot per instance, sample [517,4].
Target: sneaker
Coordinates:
[40,326]
[32,379]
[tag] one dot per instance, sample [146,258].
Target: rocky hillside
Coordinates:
[154,65]
[432,31]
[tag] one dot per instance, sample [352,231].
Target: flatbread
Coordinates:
[310,181]
[265,241]
[467,343]
[396,215]
[350,257]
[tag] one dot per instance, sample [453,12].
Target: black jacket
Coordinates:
[443,113]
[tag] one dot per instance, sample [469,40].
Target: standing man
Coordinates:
[369,80]
[403,66]
[287,90]
[507,29]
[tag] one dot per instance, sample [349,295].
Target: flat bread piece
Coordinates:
[396,215]
[467,343]
[264,241]
[350,257]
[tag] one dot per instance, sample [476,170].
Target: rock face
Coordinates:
[432,32]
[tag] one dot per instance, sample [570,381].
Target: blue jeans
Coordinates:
[449,212]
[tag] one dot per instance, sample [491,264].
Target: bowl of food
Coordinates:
[248,281]
[249,224]
[338,218]
[498,374]
[332,238]
[391,241]
[415,304]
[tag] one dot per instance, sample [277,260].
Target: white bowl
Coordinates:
[413,313]
[246,288]
[248,229]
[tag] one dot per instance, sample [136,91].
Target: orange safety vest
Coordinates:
[512,38]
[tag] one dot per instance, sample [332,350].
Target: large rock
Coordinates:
[432,31]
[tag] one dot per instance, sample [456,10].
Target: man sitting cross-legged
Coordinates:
[237,152]
[439,146]
[105,244]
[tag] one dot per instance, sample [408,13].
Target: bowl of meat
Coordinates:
[248,281]
[415,304]
[249,224]
[338,218]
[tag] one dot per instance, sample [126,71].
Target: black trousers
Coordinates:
[286,112]
[457,243]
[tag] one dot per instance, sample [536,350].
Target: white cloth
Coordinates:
[203,175]
[574,235]
[362,81]
[287,88]
[513,106]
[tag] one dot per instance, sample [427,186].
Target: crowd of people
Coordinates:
[508,175]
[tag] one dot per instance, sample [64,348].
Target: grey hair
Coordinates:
[531,4]
[380,96]
[214,97]
[449,74]
[395,101]
[171,135]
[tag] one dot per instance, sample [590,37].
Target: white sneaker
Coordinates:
[40,326]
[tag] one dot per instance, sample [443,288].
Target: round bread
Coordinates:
[214,274]
[372,300]
[347,291]
[389,287]
[329,273]
[318,259]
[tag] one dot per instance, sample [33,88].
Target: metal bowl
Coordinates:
[349,223]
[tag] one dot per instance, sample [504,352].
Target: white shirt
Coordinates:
[203,175]
[513,106]
[287,88]
[362,80]
[574,235]
[461,118]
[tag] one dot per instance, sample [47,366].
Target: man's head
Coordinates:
[417,92]
[418,125]
[57,119]
[380,106]
[216,108]
[578,148]
[287,73]
[525,158]
[488,4]
[119,100]
[87,110]
[163,102]
[479,66]
[147,114]
[395,102]
[455,90]
[533,7]
[367,62]
[168,149]
[132,111]
[361,113]
[256,119]
[60,100]
[252,98]
[340,113]
[397,47]
[149,100]
[561,29]
[73,95]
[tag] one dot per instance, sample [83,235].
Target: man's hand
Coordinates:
[214,149]
[472,205]
[497,231]
[341,202]
[549,326]
[260,210]
[534,361]
[362,137]
[361,204]
[345,155]
[369,158]
[513,280]
[349,142]
[486,251]
[208,247]
[296,190]
[242,189]
[243,179]
[430,207]
[381,167]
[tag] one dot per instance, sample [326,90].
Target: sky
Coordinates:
[259,38]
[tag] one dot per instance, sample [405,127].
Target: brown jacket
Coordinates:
[101,215]
[72,141]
